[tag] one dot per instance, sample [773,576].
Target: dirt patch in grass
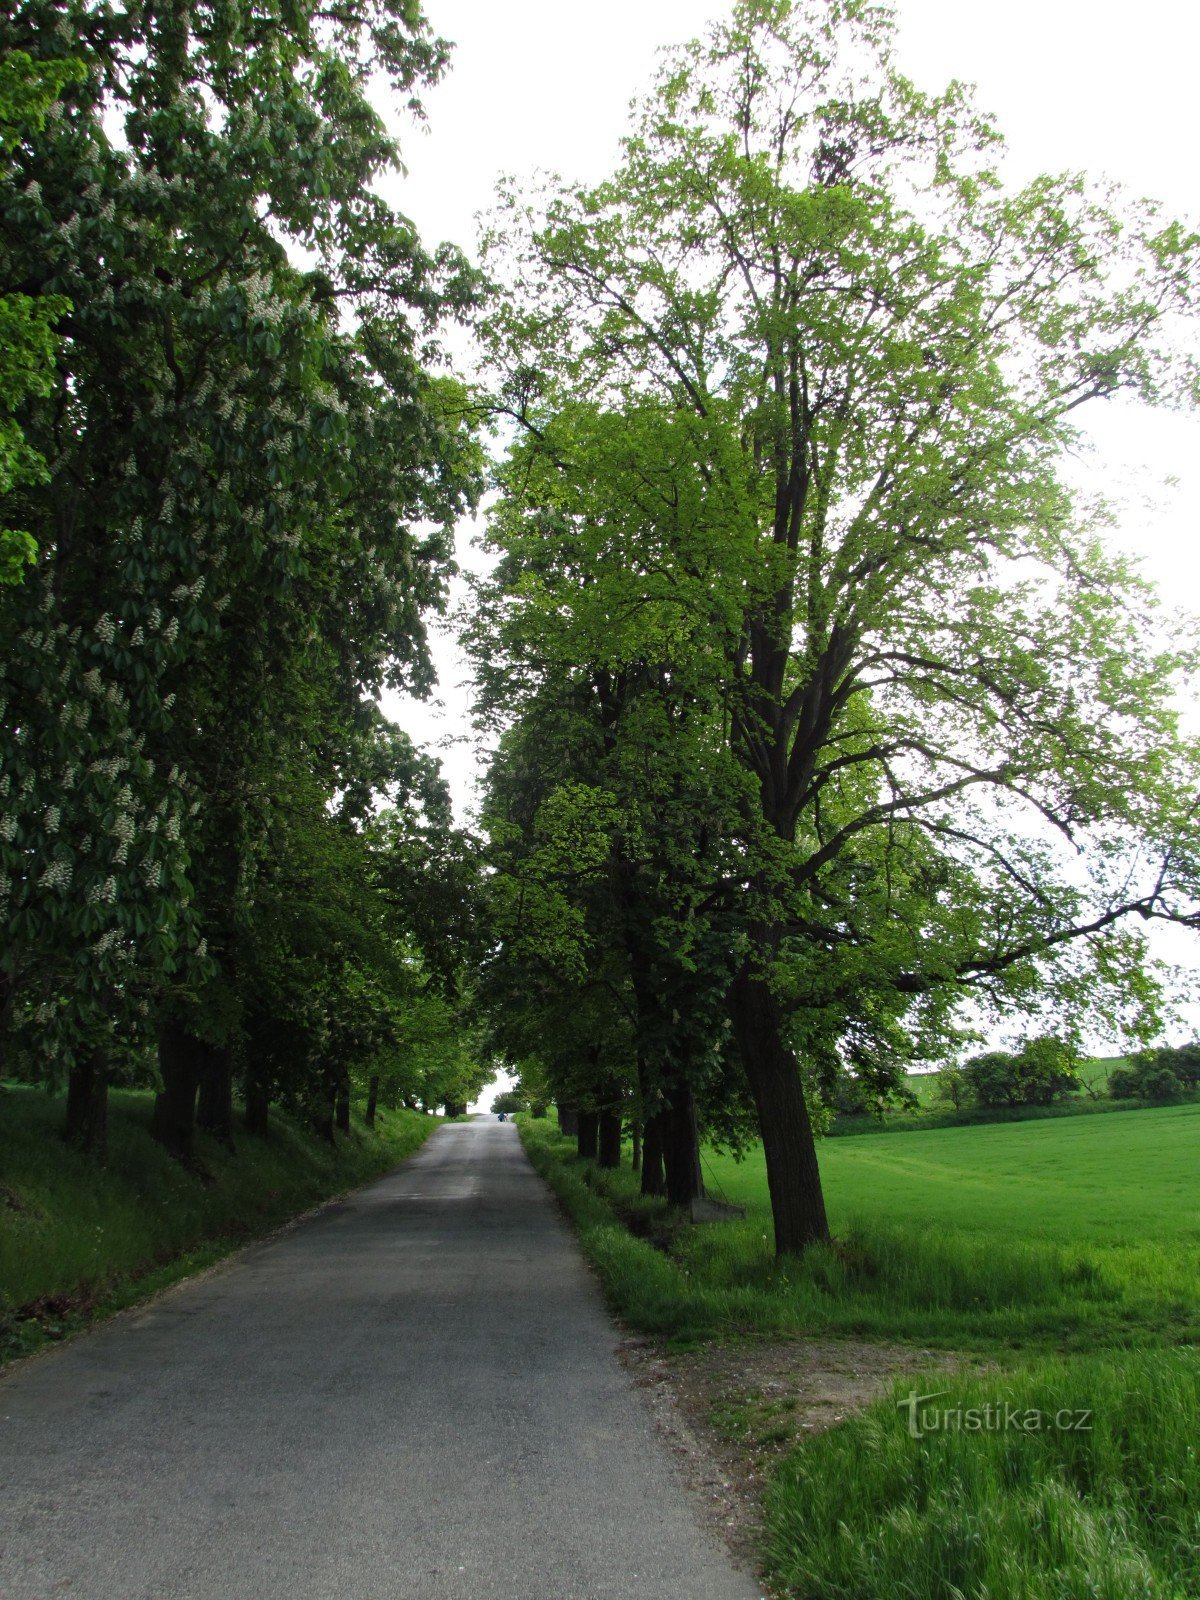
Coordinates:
[730,1411]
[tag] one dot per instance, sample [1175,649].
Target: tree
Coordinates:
[1043,1069]
[255,472]
[937,687]
[29,91]
[1162,1073]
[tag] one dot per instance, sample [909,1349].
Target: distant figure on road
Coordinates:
[501,1117]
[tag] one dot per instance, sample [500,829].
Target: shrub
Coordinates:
[951,1087]
[1160,1074]
[1040,1072]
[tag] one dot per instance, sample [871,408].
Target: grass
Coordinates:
[930,1112]
[1106,1507]
[1114,1180]
[1055,1235]
[1068,1251]
[79,1240]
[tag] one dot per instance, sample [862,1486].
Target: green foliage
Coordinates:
[792,390]
[1041,1071]
[1160,1074]
[29,93]
[951,1087]
[256,469]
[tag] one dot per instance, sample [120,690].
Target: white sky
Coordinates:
[1073,84]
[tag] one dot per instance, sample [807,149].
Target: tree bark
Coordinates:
[322,1120]
[681,1147]
[214,1111]
[372,1099]
[588,1134]
[341,1104]
[653,1178]
[608,1143]
[180,1060]
[258,1103]
[635,1135]
[793,1176]
[86,1124]
[568,1121]
[8,990]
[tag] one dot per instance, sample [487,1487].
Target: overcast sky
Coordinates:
[1072,83]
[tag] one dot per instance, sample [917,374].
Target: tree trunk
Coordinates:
[372,1099]
[568,1121]
[635,1135]
[8,990]
[341,1104]
[214,1112]
[653,1179]
[587,1136]
[322,1120]
[681,1148]
[86,1125]
[258,1103]
[793,1176]
[180,1060]
[608,1143]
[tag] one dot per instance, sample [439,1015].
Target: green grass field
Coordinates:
[1060,1234]
[1113,1180]
[78,1239]
[1065,1252]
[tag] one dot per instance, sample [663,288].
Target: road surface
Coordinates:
[413,1393]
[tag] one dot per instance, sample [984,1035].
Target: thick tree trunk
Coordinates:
[568,1121]
[180,1060]
[322,1120]
[372,1099]
[86,1125]
[258,1104]
[793,1176]
[681,1148]
[608,1143]
[588,1133]
[341,1105]
[653,1178]
[8,990]
[635,1137]
[214,1111]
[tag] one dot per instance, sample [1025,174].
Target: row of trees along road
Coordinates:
[227,484]
[820,702]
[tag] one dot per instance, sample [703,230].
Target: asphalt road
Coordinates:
[413,1393]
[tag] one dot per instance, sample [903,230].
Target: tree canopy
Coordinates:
[792,391]
[241,454]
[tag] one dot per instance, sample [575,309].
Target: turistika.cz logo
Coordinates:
[998,1416]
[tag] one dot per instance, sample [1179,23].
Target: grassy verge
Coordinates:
[1078,1478]
[898,1269]
[78,1240]
[1061,1468]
